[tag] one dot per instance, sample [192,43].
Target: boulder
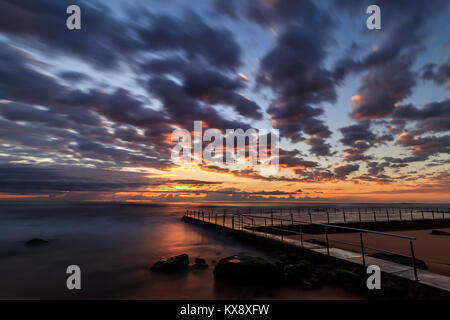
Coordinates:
[36,242]
[172,264]
[349,280]
[301,269]
[247,269]
[200,263]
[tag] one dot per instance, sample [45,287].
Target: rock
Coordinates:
[247,269]
[299,273]
[349,280]
[302,269]
[36,242]
[440,233]
[172,264]
[200,263]
[406,261]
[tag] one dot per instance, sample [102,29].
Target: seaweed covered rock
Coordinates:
[247,269]
[172,264]
[349,280]
[302,269]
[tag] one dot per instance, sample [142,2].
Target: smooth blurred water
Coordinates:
[115,245]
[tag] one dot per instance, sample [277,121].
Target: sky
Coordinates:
[87,115]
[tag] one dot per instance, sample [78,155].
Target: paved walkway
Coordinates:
[426,278]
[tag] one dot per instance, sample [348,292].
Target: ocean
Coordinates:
[115,245]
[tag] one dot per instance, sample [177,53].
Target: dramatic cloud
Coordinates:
[294,70]
[103,41]
[425,146]
[440,76]
[92,110]
[342,172]
[381,89]
[433,117]
[360,138]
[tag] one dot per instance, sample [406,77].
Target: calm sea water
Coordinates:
[115,245]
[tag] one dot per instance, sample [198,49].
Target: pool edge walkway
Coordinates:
[435,282]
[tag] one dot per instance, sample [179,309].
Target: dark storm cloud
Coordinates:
[388,78]
[183,109]
[360,138]
[440,76]
[194,37]
[294,70]
[120,106]
[343,171]
[376,168]
[19,82]
[293,159]
[24,179]
[381,89]
[82,111]
[205,84]
[433,117]
[266,13]
[319,147]
[78,111]
[425,146]
[215,88]
[404,31]
[102,41]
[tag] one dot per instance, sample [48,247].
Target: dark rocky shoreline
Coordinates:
[287,270]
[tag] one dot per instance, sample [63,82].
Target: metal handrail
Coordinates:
[240,223]
[339,227]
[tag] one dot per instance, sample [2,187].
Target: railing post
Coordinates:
[432,212]
[301,235]
[362,249]
[310,216]
[374,216]
[359,214]
[413,260]
[423,216]
[292,219]
[345,219]
[387,214]
[326,235]
[412,219]
[328,217]
[265,226]
[400,213]
[232,222]
[271,217]
[281,224]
